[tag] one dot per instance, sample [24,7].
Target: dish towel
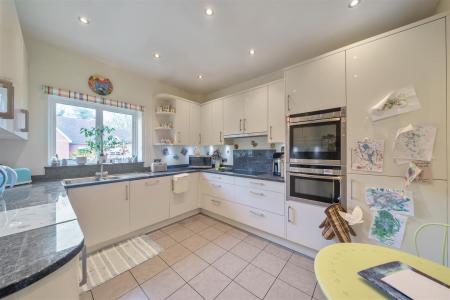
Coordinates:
[335,226]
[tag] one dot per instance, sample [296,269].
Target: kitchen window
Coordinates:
[68,117]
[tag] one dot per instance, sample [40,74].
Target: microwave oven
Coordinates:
[200,162]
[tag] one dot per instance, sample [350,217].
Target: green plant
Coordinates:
[82,151]
[99,140]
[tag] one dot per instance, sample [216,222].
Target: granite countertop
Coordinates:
[39,233]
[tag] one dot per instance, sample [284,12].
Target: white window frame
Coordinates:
[99,109]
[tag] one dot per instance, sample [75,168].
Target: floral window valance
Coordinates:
[90,98]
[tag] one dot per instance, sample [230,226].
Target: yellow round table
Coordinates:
[337,268]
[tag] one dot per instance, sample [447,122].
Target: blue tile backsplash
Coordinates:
[253,160]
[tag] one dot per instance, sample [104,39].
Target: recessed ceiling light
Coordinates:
[200,76]
[251,51]
[84,20]
[209,11]
[156,55]
[354,3]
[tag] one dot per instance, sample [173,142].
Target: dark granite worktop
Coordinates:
[39,233]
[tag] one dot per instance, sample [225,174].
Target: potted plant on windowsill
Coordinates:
[99,140]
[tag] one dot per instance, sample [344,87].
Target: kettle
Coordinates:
[6,172]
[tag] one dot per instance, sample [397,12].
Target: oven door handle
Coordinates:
[316,176]
[293,123]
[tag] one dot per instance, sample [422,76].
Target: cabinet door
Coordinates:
[182,122]
[316,85]
[430,206]
[194,124]
[233,114]
[149,201]
[276,115]
[102,211]
[255,120]
[185,202]
[414,57]
[206,123]
[216,123]
[303,225]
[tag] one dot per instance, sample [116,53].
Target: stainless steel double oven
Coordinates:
[316,149]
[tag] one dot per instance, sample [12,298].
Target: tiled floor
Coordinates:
[206,259]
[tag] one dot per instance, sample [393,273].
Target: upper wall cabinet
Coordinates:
[246,113]
[212,123]
[182,132]
[194,124]
[276,116]
[316,85]
[414,57]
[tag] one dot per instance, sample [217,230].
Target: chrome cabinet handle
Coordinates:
[257,194]
[151,183]
[215,202]
[199,138]
[126,192]
[270,132]
[289,214]
[256,183]
[245,123]
[259,214]
[220,136]
[289,102]
[240,124]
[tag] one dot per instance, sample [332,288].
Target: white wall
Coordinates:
[65,69]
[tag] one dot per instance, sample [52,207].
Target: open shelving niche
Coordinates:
[162,119]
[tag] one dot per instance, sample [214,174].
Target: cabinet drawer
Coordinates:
[218,206]
[261,184]
[218,178]
[261,199]
[218,189]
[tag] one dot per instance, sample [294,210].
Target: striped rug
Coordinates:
[116,259]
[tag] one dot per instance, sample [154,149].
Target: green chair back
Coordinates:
[444,243]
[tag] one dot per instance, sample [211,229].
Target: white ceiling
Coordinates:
[283,32]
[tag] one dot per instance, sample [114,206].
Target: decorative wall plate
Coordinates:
[100,85]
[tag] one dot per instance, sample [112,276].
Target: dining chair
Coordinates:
[444,245]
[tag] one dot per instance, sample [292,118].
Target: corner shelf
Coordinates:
[165,113]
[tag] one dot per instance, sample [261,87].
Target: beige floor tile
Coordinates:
[205,219]
[180,234]
[283,291]
[318,294]
[230,265]
[299,278]
[162,285]
[210,252]
[235,292]
[172,228]
[187,221]
[165,242]
[148,269]
[237,233]
[185,293]
[269,263]
[134,294]
[279,251]
[256,241]
[196,226]
[190,266]
[86,296]
[209,283]
[194,242]
[226,241]
[154,235]
[211,233]
[302,261]
[115,287]
[222,227]
[174,254]
[245,251]
[255,280]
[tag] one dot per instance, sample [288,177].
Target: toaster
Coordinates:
[159,166]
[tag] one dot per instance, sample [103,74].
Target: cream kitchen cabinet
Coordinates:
[103,211]
[212,123]
[194,124]
[414,57]
[246,113]
[276,113]
[185,202]
[430,206]
[149,201]
[316,85]
[182,131]
[302,224]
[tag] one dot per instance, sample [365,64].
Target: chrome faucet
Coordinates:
[100,175]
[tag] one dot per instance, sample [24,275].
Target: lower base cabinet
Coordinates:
[185,202]
[303,222]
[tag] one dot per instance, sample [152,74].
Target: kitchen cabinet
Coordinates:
[102,211]
[194,124]
[302,224]
[276,113]
[182,132]
[316,85]
[212,123]
[246,113]
[414,57]
[430,206]
[185,202]
[150,200]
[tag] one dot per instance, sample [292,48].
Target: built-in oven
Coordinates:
[316,184]
[317,138]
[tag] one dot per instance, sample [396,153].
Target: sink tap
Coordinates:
[102,173]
